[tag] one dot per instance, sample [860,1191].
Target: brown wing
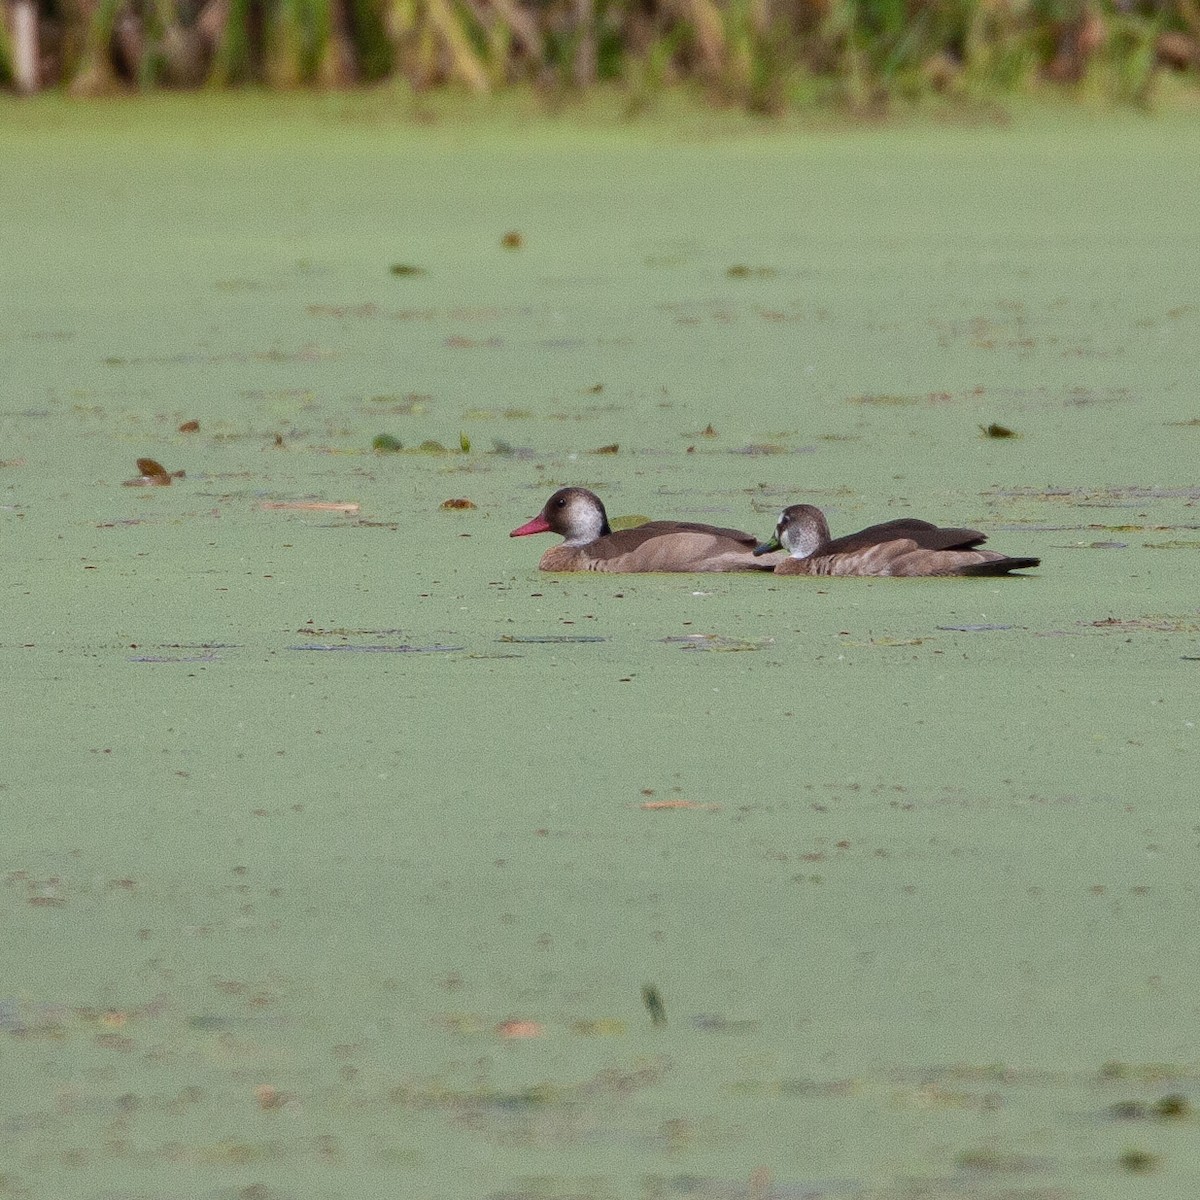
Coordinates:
[922,533]
[662,546]
[626,540]
[661,527]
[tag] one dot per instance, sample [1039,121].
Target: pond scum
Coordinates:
[767,56]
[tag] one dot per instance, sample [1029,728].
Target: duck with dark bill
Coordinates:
[902,547]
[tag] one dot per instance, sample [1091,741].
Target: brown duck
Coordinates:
[903,547]
[590,544]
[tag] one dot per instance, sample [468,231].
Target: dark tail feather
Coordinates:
[1001,566]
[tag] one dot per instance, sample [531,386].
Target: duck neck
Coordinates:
[592,524]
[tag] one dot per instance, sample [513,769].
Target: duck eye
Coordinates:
[561,502]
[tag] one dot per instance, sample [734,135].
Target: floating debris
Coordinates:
[653,1001]
[459,504]
[886,399]
[1172,1106]
[1128,1110]
[342,506]
[548,639]
[435,649]
[267,1097]
[654,805]
[985,1159]
[1152,624]
[714,641]
[190,427]
[512,240]
[998,431]
[521,1029]
[464,443]
[611,448]
[715,1023]
[166,658]
[741,271]
[152,474]
[1138,1161]
[407,269]
[600,1027]
[972,628]
[384,443]
[411,404]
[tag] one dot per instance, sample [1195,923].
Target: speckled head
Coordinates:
[801,530]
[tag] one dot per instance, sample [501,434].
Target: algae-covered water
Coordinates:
[344,855]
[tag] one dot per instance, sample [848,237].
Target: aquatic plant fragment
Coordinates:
[653,1001]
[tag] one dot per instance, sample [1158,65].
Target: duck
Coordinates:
[590,543]
[902,547]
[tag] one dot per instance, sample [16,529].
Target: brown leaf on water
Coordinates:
[190,427]
[998,431]
[459,503]
[611,448]
[267,1097]
[512,240]
[152,474]
[151,467]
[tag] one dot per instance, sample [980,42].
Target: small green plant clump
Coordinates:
[766,56]
[1138,1162]
[652,999]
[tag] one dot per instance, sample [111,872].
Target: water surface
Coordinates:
[340,841]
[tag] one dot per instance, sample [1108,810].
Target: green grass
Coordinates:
[764,56]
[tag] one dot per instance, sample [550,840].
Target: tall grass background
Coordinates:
[762,55]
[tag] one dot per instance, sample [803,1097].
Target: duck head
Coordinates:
[574,512]
[801,530]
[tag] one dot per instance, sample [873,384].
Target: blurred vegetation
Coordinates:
[763,55]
